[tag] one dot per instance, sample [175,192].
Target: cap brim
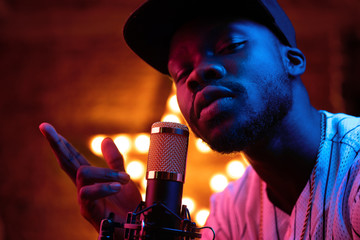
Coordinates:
[149,30]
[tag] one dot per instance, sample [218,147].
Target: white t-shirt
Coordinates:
[335,213]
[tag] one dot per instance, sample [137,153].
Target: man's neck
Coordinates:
[286,157]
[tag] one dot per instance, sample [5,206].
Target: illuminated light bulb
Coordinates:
[135,169]
[201,217]
[190,204]
[142,143]
[170,118]
[235,169]
[202,146]
[143,196]
[144,183]
[173,104]
[123,143]
[95,144]
[218,182]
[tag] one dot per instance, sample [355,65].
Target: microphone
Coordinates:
[165,178]
[162,216]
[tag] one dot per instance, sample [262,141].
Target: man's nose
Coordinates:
[205,73]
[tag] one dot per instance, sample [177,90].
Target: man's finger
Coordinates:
[79,157]
[88,175]
[98,190]
[112,155]
[67,160]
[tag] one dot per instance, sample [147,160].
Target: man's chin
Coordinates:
[234,136]
[225,146]
[227,134]
[227,140]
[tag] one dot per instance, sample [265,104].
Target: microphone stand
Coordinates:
[136,227]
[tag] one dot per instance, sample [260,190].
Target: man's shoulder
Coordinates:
[343,128]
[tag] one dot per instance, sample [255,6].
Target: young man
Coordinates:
[237,72]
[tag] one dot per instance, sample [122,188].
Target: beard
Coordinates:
[277,101]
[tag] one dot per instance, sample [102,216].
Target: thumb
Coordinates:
[112,155]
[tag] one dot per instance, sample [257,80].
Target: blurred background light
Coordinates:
[235,169]
[143,196]
[142,143]
[143,183]
[171,118]
[95,144]
[173,104]
[135,169]
[123,143]
[218,182]
[201,217]
[190,203]
[202,146]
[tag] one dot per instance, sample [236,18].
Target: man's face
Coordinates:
[232,86]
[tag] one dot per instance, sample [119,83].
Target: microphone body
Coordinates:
[165,178]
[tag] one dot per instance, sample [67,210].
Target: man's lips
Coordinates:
[209,95]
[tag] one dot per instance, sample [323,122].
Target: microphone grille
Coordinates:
[168,148]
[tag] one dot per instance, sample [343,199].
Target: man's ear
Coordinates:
[295,61]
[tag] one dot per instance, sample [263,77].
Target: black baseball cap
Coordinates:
[149,30]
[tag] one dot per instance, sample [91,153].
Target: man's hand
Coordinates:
[100,190]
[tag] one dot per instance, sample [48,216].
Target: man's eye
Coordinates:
[231,48]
